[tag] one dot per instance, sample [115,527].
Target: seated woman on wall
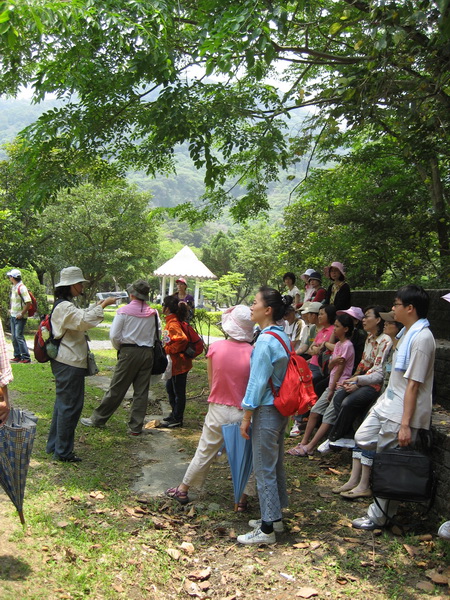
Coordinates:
[341,365]
[293,291]
[338,292]
[327,317]
[369,375]
[293,327]
[317,293]
[361,390]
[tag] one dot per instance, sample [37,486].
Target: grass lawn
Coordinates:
[89,537]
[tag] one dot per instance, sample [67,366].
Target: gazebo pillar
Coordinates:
[163,288]
[197,290]
[172,280]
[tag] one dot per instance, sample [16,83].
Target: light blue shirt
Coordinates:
[269,360]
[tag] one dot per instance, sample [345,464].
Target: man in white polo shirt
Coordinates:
[405,405]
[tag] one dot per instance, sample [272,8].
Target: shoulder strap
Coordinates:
[280,339]
[156,326]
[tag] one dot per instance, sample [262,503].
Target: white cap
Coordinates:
[14,273]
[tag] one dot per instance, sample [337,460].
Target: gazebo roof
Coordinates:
[184,264]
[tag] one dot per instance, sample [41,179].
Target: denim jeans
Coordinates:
[67,410]
[268,461]
[176,390]
[18,340]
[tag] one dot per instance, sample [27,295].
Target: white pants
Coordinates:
[377,434]
[210,443]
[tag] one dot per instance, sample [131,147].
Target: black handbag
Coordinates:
[404,475]
[159,356]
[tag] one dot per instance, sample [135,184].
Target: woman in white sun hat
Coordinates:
[69,325]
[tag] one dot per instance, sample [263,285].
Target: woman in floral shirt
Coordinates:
[362,389]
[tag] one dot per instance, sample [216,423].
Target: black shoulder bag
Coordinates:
[159,356]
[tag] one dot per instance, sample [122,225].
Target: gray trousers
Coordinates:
[134,367]
[377,434]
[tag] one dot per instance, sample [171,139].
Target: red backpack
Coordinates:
[296,394]
[33,308]
[45,345]
[195,345]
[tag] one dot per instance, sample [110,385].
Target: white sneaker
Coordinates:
[324,447]
[257,537]
[277,525]
[444,530]
[295,431]
[344,443]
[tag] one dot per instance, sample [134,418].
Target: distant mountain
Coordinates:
[186,186]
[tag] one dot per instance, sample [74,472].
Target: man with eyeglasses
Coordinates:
[405,405]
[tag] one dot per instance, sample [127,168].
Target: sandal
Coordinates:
[299,450]
[242,506]
[176,494]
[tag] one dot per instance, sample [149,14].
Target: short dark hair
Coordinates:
[176,307]
[290,275]
[346,321]
[377,309]
[330,311]
[416,296]
[273,299]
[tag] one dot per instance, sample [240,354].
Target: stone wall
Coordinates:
[441,462]
[439,313]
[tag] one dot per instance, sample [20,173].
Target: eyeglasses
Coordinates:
[397,304]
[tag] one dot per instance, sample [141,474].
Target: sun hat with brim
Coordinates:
[353,311]
[71,276]
[313,307]
[307,274]
[446,297]
[139,289]
[14,273]
[237,323]
[337,265]
[388,317]
[315,275]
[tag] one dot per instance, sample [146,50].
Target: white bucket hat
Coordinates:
[237,323]
[71,276]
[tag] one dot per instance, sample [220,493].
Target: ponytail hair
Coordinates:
[176,307]
[273,299]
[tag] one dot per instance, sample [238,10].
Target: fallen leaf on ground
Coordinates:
[62,524]
[306,592]
[411,550]
[200,574]
[334,471]
[301,545]
[187,547]
[352,540]
[425,586]
[436,577]
[191,513]
[396,530]
[204,586]
[193,589]
[173,553]
[152,424]
[119,588]
[97,494]
[426,537]
[315,545]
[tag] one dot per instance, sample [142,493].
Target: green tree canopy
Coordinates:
[123,68]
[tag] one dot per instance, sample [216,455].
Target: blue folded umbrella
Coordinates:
[240,458]
[16,443]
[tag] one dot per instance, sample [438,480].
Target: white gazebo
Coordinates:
[183,264]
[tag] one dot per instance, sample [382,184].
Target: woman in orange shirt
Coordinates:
[175,343]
